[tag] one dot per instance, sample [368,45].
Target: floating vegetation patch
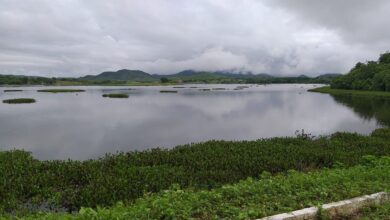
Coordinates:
[204,90]
[61,90]
[194,87]
[168,91]
[116,95]
[219,88]
[179,87]
[13,90]
[19,101]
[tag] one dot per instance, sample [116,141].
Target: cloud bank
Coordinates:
[78,37]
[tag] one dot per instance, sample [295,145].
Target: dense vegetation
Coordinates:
[346,92]
[373,75]
[251,198]
[25,80]
[33,184]
[116,95]
[19,101]
[61,90]
[379,212]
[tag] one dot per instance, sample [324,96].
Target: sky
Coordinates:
[281,37]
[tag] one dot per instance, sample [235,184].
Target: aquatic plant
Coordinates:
[13,90]
[127,176]
[60,90]
[168,91]
[251,198]
[116,95]
[19,101]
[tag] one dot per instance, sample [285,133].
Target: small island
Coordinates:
[13,90]
[116,95]
[19,101]
[60,90]
[168,91]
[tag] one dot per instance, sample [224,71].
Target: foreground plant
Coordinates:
[250,198]
[27,184]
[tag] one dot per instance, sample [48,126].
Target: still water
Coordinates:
[86,125]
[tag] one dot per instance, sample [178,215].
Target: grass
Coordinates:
[327,89]
[380,212]
[128,176]
[19,101]
[251,198]
[13,90]
[168,91]
[116,95]
[61,90]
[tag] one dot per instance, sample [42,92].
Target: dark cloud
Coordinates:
[77,37]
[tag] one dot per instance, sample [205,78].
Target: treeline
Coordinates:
[373,75]
[26,80]
[27,183]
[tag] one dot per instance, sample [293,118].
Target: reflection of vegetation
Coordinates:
[61,90]
[116,95]
[19,101]
[367,107]
[128,176]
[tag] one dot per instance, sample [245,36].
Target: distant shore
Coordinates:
[328,90]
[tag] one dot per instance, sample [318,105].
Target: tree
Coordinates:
[164,79]
[384,58]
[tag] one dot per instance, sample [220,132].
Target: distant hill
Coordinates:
[123,75]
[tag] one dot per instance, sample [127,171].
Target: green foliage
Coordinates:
[344,92]
[25,80]
[250,198]
[371,76]
[19,101]
[26,182]
[60,90]
[164,80]
[116,95]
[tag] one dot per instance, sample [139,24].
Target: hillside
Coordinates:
[123,75]
[372,75]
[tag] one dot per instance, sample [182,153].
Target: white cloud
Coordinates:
[78,37]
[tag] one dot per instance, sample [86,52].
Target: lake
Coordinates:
[85,125]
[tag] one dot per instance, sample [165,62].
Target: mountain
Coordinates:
[329,75]
[123,75]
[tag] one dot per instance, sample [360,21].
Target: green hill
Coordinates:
[123,75]
[373,75]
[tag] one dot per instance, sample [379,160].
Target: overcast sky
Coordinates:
[286,37]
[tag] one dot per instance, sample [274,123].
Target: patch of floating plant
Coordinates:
[116,95]
[60,90]
[19,101]
[218,88]
[13,90]
[168,91]
[204,89]
[124,89]
[194,87]
[179,87]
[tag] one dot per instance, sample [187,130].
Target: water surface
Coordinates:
[86,125]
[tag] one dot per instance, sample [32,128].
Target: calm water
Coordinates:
[86,125]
